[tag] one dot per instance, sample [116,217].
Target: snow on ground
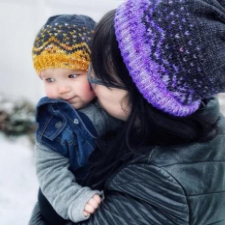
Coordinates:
[18,182]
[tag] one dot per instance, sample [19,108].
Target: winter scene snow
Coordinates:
[20,89]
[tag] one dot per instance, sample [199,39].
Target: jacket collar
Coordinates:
[162,155]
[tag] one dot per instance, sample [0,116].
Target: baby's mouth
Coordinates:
[69,99]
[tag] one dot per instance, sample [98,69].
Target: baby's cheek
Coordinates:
[88,93]
[50,93]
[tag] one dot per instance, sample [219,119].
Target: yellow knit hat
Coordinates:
[64,42]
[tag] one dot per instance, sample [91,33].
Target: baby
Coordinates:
[66,136]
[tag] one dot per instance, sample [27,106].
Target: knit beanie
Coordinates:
[174,50]
[64,42]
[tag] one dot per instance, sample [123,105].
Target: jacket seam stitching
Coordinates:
[183,163]
[78,116]
[41,133]
[187,203]
[216,192]
[181,187]
[86,129]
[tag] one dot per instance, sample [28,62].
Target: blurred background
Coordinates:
[20,89]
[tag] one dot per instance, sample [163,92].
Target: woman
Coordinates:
[156,65]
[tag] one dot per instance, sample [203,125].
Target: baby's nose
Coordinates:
[64,89]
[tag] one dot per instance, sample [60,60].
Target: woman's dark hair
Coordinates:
[155,127]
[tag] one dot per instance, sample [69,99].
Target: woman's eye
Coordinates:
[73,75]
[49,80]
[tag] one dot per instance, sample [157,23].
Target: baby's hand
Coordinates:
[92,205]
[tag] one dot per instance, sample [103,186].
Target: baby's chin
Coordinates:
[79,105]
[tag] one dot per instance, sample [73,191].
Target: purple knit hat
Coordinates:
[174,50]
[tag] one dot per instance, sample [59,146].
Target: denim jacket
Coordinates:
[65,139]
[66,130]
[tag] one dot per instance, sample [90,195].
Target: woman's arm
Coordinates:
[141,194]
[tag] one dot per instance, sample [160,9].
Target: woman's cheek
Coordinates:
[119,113]
[111,107]
[116,105]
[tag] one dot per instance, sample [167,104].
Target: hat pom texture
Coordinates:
[174,50]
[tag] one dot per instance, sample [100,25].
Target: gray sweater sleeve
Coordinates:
[59,186]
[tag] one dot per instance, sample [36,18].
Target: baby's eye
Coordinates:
[49,80]
[73,75]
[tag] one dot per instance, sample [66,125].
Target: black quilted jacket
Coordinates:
[177,185]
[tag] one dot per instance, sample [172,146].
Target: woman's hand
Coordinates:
[92,205]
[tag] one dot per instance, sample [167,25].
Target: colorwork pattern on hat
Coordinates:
[174,50]
[64,42]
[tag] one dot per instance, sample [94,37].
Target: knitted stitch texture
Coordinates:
[64,42]
[174,50]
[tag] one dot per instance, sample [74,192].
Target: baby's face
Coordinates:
[69,85]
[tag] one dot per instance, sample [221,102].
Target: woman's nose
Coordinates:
[64,89]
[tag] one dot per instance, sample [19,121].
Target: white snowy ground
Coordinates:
[18,183]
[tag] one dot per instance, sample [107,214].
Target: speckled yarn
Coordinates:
[64,42]
[174,50]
